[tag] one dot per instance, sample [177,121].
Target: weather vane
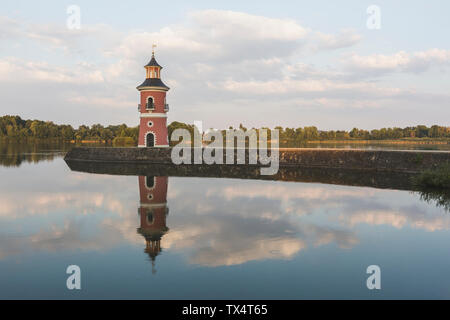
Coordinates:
[153,48]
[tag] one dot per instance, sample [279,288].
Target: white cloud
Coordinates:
[8,27]
[246,27]
[324,87]
[345,38]
[399,62]
[20,71]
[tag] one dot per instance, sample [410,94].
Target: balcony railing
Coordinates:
[151,106]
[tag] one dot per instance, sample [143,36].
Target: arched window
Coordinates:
[150,140]
[150,103]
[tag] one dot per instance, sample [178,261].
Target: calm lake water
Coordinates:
[210,238]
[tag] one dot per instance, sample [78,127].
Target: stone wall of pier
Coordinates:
[378,160]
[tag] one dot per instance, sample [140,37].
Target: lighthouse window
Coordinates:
[150,124]
[150,103]
[150,197]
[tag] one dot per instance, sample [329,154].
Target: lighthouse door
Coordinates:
[150,140]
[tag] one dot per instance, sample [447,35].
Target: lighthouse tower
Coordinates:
[153,107]
[152,213]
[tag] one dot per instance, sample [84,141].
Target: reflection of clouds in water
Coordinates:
[291,198]
[21,205]
[288,191]
[221,254]
[45,190]
[62,210]
[238,229]
[229,240]
[353,205]
[412,216]
[212,221]
[59,238]
[15,206]
[343,238]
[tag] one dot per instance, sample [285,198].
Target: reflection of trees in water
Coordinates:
[440,198]
[13,153]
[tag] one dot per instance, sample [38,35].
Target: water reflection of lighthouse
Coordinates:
[152,212]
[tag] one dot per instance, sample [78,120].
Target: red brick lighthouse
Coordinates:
[153,107]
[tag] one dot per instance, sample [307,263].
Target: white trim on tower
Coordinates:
[153,89]
[155,115]
[159,146]
[153,205]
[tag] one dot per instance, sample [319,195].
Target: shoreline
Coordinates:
[387,142]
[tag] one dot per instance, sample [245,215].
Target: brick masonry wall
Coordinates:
[159,129]
[158,100]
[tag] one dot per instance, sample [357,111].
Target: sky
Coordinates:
[260,63]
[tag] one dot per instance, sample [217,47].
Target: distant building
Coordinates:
[153,108]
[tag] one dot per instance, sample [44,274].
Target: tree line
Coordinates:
[311,133]
[17,128]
